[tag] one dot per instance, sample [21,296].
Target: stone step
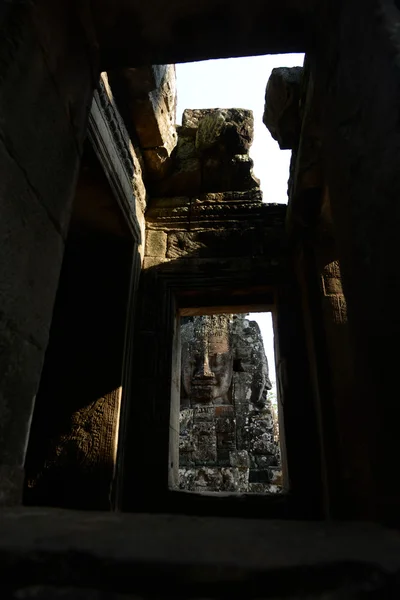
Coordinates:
[51,553]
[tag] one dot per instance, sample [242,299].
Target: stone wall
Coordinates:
[48,70]
[293,114]
[227,443]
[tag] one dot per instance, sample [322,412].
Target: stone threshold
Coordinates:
[51,553]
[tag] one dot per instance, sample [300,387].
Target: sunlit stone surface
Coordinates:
[228,439]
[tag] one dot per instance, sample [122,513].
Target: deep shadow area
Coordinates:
[72,448]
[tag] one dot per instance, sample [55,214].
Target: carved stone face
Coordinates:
[207,360]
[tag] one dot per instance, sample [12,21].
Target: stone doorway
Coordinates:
[229,431]
[72,448]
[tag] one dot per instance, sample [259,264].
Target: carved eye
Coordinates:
[216,359]
[195,359]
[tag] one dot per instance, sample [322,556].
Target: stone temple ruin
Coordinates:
[116,224]
[228,428]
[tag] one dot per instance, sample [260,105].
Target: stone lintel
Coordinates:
[160,32]
[192,213]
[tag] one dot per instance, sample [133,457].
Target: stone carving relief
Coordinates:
[207,360]
[228,429]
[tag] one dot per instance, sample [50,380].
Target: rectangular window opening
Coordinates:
[228,432]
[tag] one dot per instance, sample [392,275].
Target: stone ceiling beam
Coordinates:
[132,33]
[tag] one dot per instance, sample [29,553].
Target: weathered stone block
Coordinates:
[158,162]
[233,173]
[226,411]
[186,420]
[264,461]
[147,99]
[241,176]
[205,454]
[239,458]
[203,413]
[234,479]
[254,195]
[156,243]
[186,132]
[184,243]
[185,149]
[151,114]
[259,476]
[281,114]
[205,446]
[231,128]
[176,203]
[223,457]
[225,425]
[208,479]
[262,419]
[260,427]
[264,488]
[186,479]
[186,458]
[263,444]
[153,261]
[275,475]
[241,388]
[185,179]
[204,428]
[142,80]
[210,130]
[220,242]
[186,443]
[257,488]
[152,122]
[139,189]
[191,117]
[226,440]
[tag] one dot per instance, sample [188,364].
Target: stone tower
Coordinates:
[227,426]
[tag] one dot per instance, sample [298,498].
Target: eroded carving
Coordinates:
[207,359]
[228,438]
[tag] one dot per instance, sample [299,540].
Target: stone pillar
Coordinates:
[299,437]
[47,76]
[358,68]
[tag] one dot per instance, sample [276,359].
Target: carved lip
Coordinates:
[204,383]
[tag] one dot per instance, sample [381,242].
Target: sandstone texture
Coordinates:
[146,97]
[211,154]
[228,439]
[281,113]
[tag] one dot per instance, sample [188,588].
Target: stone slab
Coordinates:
[146,554]
[156,243]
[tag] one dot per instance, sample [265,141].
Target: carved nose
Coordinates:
[203,370]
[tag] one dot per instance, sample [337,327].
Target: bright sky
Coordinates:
[241,83]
